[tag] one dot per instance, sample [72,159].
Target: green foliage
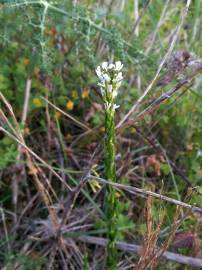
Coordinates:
[8,152]
[25,262]
[123,223]
[85,263]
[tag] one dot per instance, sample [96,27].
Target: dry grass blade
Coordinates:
[34,170]
[78,123]
[163,13]
[26,100]
[148,252]
[35,156]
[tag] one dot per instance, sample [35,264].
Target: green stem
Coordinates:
[111,202]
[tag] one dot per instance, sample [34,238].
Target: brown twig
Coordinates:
[135,190]
[137,248]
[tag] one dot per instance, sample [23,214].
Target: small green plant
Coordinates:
[23,261]
[110,80]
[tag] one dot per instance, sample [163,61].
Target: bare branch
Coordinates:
[135,190]
[137,248]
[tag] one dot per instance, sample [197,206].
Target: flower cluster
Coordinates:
[110,76]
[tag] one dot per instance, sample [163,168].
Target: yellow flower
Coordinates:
[69,105]
[37,102]
[85,93]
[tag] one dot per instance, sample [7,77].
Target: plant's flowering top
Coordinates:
[110,76]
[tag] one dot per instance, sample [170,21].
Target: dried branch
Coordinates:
[135,190]
[137,248]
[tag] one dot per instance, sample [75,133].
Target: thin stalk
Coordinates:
[111,200]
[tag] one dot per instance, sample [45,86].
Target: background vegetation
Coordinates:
[51,136]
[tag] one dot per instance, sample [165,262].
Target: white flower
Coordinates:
[111,66]
[101,84]
[109,88]
[109,106]
[118,77]
[110,78]
[114,94]
[118,84]
[104,65]
[106,77]
[115,107]
[98,72]
[102,91]
[118,66]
